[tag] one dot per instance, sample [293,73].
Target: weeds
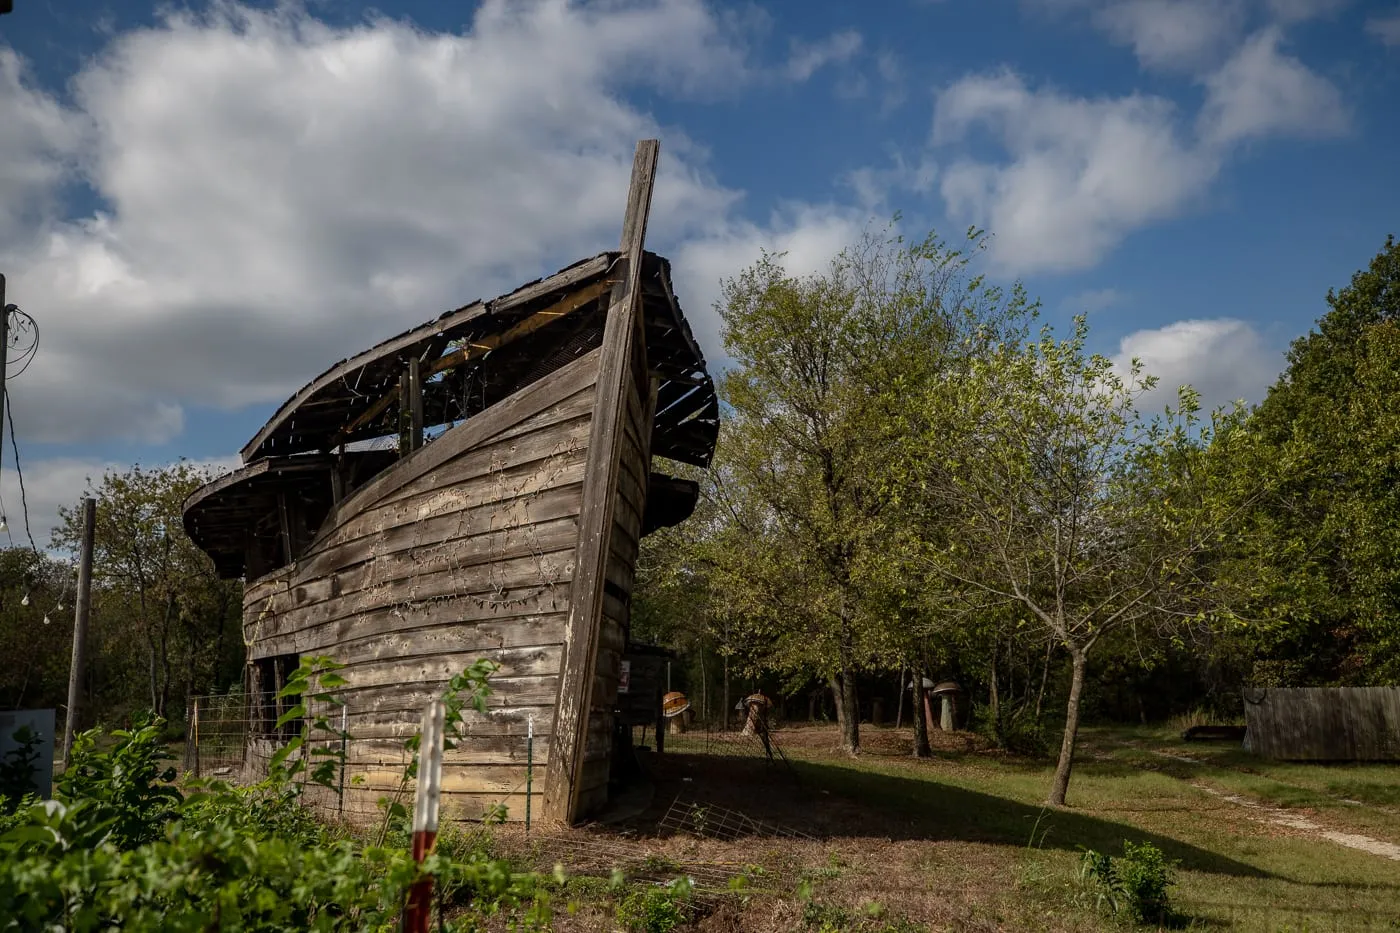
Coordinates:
[1133,885]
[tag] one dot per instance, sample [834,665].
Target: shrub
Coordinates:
[121,847]
[1134,884]
[1019,733]
[655,908]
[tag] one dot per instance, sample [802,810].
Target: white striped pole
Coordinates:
[425,814]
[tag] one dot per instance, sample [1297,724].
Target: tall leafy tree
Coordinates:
[153,583]
[1323,542]
[825,367]
[1069,505]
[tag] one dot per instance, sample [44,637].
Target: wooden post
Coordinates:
[616,377]
[415,404]
[80,626]
[418,913]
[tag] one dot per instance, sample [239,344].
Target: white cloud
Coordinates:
[278,193]
[1081,173]
[1262,92]
[1385,28]
[1173,34]
[808,58]
[60,482]
[809,235]
[38,142]
[1223,358]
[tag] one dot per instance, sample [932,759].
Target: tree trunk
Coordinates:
[921,746]
[899,710]
[1044,676]
[835,681]
[849,704]
[995,699]
[1061,785]
[725,712]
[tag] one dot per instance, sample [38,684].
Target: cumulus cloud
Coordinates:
[1224,359]
[1078,174]
[807,58]
[810,235]
[1385,28]
[59,482]
[1173,34]
[278,193]
[1261,92]
[1081,173]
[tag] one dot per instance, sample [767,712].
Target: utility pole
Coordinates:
[4,352]
[80,625]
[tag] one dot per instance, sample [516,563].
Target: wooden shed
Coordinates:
[475,487]
[1323,723]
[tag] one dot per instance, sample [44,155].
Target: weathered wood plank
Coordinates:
[503,583]
[468,618]
[507,693]
[615,376]
[509,516]
[505,414]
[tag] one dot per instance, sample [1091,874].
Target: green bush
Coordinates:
[1135,884]
[655,908]
[1019,733]
[122,847]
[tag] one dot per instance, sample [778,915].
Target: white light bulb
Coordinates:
[46,618]
[25,601]
[60,606]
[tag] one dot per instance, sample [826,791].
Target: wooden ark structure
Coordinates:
[504,524]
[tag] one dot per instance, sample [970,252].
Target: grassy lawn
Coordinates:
[962,842]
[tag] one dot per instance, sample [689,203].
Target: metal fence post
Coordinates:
[344,739]
[529,768]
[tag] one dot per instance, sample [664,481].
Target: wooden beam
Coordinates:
[415,402]
[616,378]
[479,348]
[420,335]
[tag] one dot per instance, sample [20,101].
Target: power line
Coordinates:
[23,501]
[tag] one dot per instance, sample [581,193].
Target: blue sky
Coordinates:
[206,205]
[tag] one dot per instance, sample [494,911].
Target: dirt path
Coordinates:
[1279,817]
[1294,821]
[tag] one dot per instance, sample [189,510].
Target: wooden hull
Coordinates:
[465,549]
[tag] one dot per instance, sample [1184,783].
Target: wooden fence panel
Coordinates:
[1324,723]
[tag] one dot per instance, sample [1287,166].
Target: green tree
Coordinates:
[36,625]
[153,587]
[1070,505]
[819,397]
[1322,543]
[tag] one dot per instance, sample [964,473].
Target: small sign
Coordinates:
[624,678]
[28,734]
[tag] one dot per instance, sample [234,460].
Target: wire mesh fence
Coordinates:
[231,738]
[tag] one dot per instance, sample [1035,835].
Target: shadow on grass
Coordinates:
[833,801]
[909,808]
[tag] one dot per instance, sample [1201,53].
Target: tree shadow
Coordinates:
[829,801]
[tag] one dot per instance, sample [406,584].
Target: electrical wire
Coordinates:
[23,500]
[24,323]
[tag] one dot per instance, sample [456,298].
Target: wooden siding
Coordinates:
[464,550]
[1324,723]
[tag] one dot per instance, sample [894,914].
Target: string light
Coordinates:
[46,618]
[25,601]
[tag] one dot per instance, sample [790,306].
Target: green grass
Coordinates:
[1234,872]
